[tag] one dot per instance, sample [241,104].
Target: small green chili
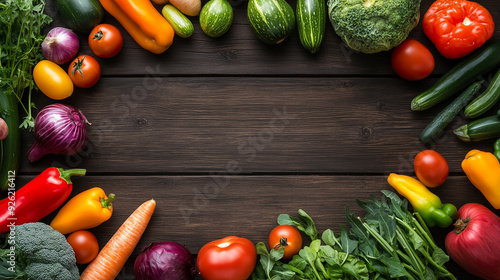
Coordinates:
[497,149]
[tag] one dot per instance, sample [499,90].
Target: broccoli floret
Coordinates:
[372,26]
[42,253]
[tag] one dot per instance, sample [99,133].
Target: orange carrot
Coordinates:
[112,258]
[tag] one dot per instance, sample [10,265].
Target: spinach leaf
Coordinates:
[267,259]
[305,223]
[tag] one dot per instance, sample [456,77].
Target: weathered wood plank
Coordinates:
[194,210]
[240,53]
[304,125]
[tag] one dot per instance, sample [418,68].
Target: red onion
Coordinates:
[60,45]
[474,244]
[166,260]
[59,129]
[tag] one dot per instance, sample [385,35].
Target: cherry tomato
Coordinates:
[431,168]
[229,258]
[52,80]
[412,61]
[85,245]
[105,40]
[84,71]
[288,237]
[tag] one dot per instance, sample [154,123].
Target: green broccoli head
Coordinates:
[372,26]
[48,254]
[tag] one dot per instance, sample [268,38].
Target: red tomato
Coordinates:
[105,40]
[84,71]
[288,237]
[85,245]
[412,61]
[431,168]
[474,242]
[229,258]
[457,27]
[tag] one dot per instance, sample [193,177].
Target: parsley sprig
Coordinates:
[21,35]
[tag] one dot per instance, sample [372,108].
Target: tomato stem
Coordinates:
[283,243]
[98,35]
[461,225]
[77,66]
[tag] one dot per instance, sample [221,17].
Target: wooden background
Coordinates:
[228,133]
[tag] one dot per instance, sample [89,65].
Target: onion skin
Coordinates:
[474,244]
[187,7]
[60,45]
[59,129]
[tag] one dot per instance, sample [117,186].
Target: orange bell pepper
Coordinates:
[86,210]
[143,22]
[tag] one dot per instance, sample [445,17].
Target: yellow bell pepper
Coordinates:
[483,171]
[427,204]
[86,210]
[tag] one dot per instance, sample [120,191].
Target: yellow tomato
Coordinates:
[52,80]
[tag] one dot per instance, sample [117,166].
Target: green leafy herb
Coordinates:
[303,223]
[21,24]
[390,242]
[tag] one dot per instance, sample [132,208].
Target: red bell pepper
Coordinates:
[457,27]
[42,195]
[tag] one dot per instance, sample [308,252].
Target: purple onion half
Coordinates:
[166,260]
[59,129]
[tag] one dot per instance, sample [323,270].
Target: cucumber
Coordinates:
[481,129]
[442,119]
[81,15]
[311,21]
[272,21]
[182,26]
[216,17]
[11,145]
[486,100]
[460,76]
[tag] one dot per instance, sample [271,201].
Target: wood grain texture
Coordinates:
[194,210]
[266,125]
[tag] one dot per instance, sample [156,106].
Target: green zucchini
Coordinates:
[182,26]
[311,21]
[216,17]
[480,129]
[11,145]
[460,76]
[486,100]
[81,15]
[272,21]
[442,119]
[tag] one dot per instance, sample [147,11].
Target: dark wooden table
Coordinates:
[228,133]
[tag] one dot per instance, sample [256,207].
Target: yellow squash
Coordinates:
[483,170]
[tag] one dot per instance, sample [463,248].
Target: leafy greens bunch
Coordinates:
[21,24]
[388,243]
